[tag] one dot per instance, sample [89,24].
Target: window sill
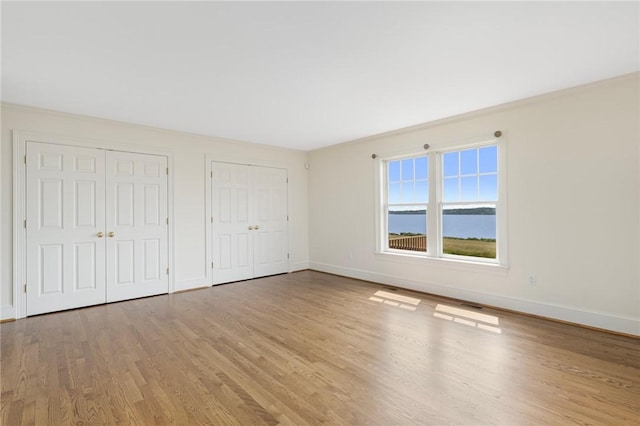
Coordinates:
[448,263]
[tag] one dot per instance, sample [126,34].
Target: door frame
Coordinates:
[209,159]
[20,139]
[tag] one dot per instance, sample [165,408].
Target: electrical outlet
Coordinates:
[533,280]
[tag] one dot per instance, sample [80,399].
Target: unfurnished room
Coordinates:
[305,212]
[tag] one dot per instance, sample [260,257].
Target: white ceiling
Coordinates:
[304,74]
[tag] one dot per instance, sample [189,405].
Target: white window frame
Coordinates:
[435,203]
[386,204]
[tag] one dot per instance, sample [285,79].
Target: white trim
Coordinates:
[603,320]
[453,263]
[7,312]
[502,223]
[20,138]
[209,159]
[191,283]
[379,220]
[208,214]
[299,266]
[19,232]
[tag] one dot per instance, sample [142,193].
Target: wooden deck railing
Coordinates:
[411,242]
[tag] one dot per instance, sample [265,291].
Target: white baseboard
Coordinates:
[190,283]
[300,266]
[621,324]
[7,312]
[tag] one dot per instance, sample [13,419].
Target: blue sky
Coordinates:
[469,175]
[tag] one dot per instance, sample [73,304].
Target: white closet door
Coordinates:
[65,227]
[270,218]
[249,208]
[232,210]
[136,231]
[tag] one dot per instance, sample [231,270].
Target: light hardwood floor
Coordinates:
[311,348]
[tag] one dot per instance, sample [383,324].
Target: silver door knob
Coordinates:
[251,228]
[111,234]
[257,227]
[100,234]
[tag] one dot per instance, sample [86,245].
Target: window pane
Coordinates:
[469,230]
[469,162]
[489,187]
[469,188]
[422,168]
[407,169]
[489,159]
[407,192]
[394,171]
[422,191]
[450,162]
[408,228]
[451,189]
[394,193]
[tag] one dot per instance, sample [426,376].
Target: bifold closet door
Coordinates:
[249,216]
[137,225]
[65,214]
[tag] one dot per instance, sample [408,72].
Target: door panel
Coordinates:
[151,204]
[137,259]
[52,268]
[152,263]
[85,276]
[65,213]
[124,205]
[231,209]
[85,203]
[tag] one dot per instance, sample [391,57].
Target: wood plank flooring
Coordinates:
[311,348]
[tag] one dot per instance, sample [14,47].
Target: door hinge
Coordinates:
[25,159]
[167,170]
[25,223]
[287,180]
[167,271]
[288,255]
[211,265]
[167,221]
[211,175]
[25,288]
[287,217]
[211,219]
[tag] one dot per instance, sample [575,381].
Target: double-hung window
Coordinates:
[407,203]
[445,204]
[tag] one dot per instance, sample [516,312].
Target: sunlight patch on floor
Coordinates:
[468,318]
[397,300]
[398,297]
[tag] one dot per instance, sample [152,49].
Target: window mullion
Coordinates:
[435,190]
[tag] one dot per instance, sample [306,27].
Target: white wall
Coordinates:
[189,184]
[573,207]
[573,202]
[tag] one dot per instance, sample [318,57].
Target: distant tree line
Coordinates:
[473,211]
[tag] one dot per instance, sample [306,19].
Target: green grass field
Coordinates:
[476,247]
[483,247]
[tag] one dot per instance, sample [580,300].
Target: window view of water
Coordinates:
[454,225]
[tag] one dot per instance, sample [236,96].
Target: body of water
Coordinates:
[454,225]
